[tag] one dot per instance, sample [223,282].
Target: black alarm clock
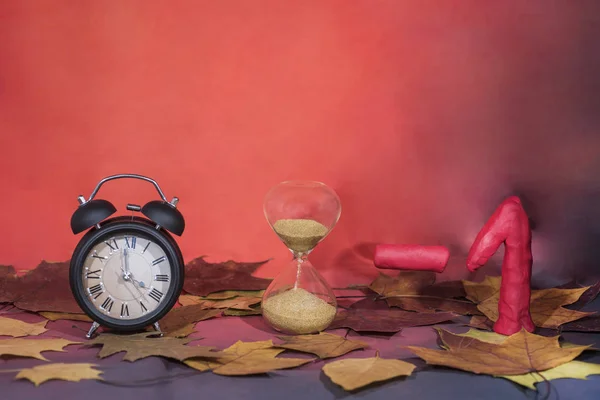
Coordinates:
[126,272]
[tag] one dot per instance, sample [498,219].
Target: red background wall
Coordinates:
[422,115]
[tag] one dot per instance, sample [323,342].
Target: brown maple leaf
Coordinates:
[546,305]
[416,291]
[45,288]
[142,345]
[587,297]
[587,324]
[203,278]
[323,345]
[520,353]
[178,318]
[32,347]
[7,277]
[55,316]
[386,321]
[248,358]
[59,371]
[238,303]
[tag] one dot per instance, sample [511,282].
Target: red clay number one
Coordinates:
[509,225]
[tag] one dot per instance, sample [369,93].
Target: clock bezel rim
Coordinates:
[124,225]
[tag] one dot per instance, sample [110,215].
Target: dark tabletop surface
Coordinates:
[125,380]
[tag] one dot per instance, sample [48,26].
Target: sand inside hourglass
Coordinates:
[298,311]
[300,235]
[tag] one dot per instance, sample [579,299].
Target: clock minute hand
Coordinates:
[126,253]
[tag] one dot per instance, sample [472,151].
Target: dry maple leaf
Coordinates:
[59,371]
[203,278]
[55,316]
[390,321]
[248,358]
[178,318]
[238,303]
[32,347]
[45,288]
[520,353]
[230,294]
[142,345]
[588,324]
[571,369]
[323,345]
[415,291]
[232,312]
[546,305]
[15,328]
[7,277]
[587,297]
[355,373]
[406,282]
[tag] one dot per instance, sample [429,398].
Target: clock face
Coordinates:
[126,276]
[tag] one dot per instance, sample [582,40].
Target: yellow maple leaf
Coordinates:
[15,328]
[354,373]
[546,305]
[247,358]
[520,353]
[323,345]
[55,316]
[59,371]
[32,348]
[571,369]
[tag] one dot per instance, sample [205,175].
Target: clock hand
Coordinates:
[126,254]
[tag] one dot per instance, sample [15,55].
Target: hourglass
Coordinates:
[301,213]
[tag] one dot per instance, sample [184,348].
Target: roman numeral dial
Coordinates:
[127,276]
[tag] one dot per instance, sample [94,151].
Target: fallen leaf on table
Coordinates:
[15,328]
[587,297]
[55,316]
[32,347]
[232,312]
[520,353]
[45,288]
[387,321]
[481,322]
[323,345]
[248,358]
[7,278]
[432,304]
[141,345]
[59,371]
[355,373]
[587,324]
[478,292]
[546,305]
[447,289]
[571,369]
[238,303]
[180,317]
[406,282]
[203,278]
[415,291]
[230,294]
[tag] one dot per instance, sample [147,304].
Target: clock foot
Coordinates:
[157,327]
[93,328]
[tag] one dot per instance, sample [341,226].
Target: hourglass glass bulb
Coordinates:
[299,301]
[302,213]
